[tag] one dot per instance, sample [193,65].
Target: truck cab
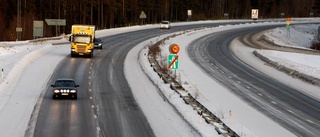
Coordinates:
[82,40]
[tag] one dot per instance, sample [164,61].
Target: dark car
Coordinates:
[64,88]
[98,43]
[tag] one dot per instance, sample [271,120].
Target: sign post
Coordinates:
[56,22]
[37,29]
[288,27]
[143,16]
[189,12]
[173,62]
[254,14]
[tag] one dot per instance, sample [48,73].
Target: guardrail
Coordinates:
[46,39]
[289,71]
[208,116]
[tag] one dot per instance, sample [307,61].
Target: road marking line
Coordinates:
[273,102]
[289,111]
[308,120]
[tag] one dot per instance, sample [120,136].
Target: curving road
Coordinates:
[298,113]
[105,105]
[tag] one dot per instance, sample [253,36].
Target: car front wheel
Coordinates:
[54,96]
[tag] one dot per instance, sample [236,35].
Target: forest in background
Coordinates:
[119,13]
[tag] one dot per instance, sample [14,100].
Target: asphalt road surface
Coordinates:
[297,112]
[105,105]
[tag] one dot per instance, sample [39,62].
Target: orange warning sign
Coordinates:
[174,48]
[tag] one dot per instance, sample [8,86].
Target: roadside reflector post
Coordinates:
[201,116]
[2,73]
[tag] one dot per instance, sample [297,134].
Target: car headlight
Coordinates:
[100,44]
[56,91]
[73,91]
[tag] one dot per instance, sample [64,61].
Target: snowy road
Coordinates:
[24,61]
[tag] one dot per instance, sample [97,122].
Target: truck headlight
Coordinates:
[73,91]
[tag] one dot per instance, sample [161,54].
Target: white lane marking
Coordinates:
[95,116]
[289,111]
[273,102]
[308,120]
[90,98]
[92,106]
[260,94]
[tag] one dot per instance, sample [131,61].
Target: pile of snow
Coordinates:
[300,36]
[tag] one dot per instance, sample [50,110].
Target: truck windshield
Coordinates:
[81,39]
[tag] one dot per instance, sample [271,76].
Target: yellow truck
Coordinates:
[81,39]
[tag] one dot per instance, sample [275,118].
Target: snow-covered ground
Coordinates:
[20,63]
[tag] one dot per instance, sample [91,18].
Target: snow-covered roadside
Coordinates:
[18,101]
[28,71]
[244,120]
[301,37]
[159,112]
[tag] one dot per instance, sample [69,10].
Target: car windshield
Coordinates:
[97,40]
[65,84]
[165,22]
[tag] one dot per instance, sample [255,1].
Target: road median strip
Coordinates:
[209,117]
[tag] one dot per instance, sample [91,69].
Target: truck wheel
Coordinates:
[90,55]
